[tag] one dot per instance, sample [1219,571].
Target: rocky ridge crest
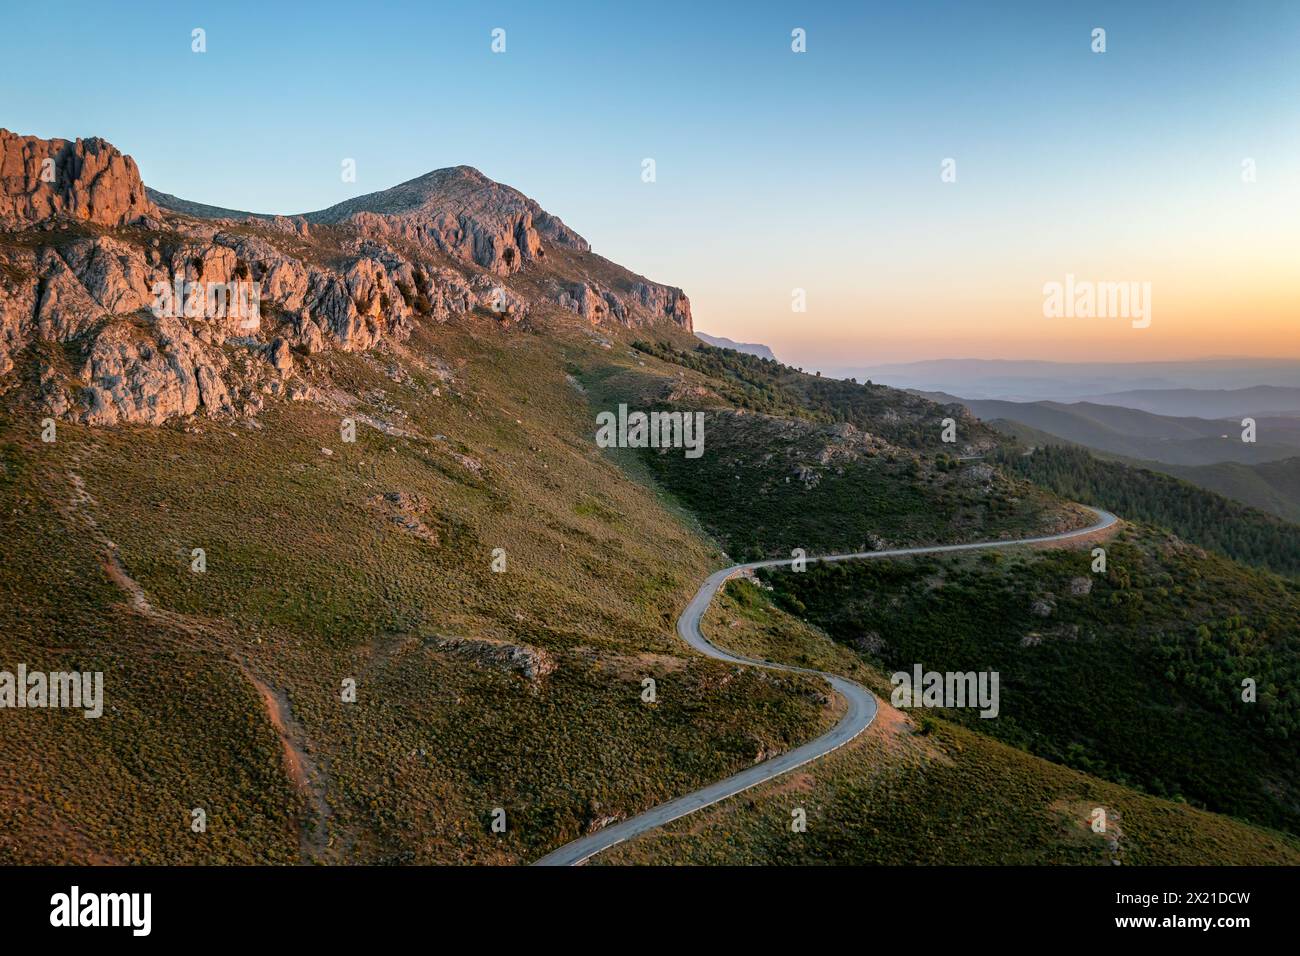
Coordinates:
[84,255]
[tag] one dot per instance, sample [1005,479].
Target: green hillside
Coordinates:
[1135,675]
[1272,486]
[327,560]
[1139,435]
[1195,514]
[796,461]
[922,789]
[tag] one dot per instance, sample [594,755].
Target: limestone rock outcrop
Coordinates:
[150,379]
[662,300]
[646,302]
[198,309]
[592,302]
[88,180]
[533,663]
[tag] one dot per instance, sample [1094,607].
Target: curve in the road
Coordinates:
[861,704]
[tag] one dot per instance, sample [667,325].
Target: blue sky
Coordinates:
[775,170]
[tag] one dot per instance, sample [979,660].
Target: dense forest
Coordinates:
[1134,674]
[1202,517]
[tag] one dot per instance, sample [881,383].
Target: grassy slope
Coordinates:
[929,792]
[311,579]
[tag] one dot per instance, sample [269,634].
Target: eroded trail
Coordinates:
[857,718]
[298,763]
[306,776]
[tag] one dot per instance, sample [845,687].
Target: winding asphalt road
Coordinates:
[861,704]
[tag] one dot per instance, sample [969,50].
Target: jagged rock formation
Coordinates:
[591,302]
[202,309]
[89,180]
[597,304]
[665,301]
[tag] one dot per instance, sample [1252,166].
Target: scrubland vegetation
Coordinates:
[916,788]
[329,561]
[371,560]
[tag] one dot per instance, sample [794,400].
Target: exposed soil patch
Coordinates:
[301,767]
[633,666]
[898,734]
[406,511]
[1083,541]
[78,511]
[1081,820]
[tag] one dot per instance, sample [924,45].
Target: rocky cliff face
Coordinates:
[88,180]
[599,304]
[161,308]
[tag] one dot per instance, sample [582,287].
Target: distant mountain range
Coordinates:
[1208,403]
[1142,435]
[1074,381]
[1272,486]
[749,348]
[1208,453]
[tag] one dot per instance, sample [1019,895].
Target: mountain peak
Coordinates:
[462,212]
[433,190]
